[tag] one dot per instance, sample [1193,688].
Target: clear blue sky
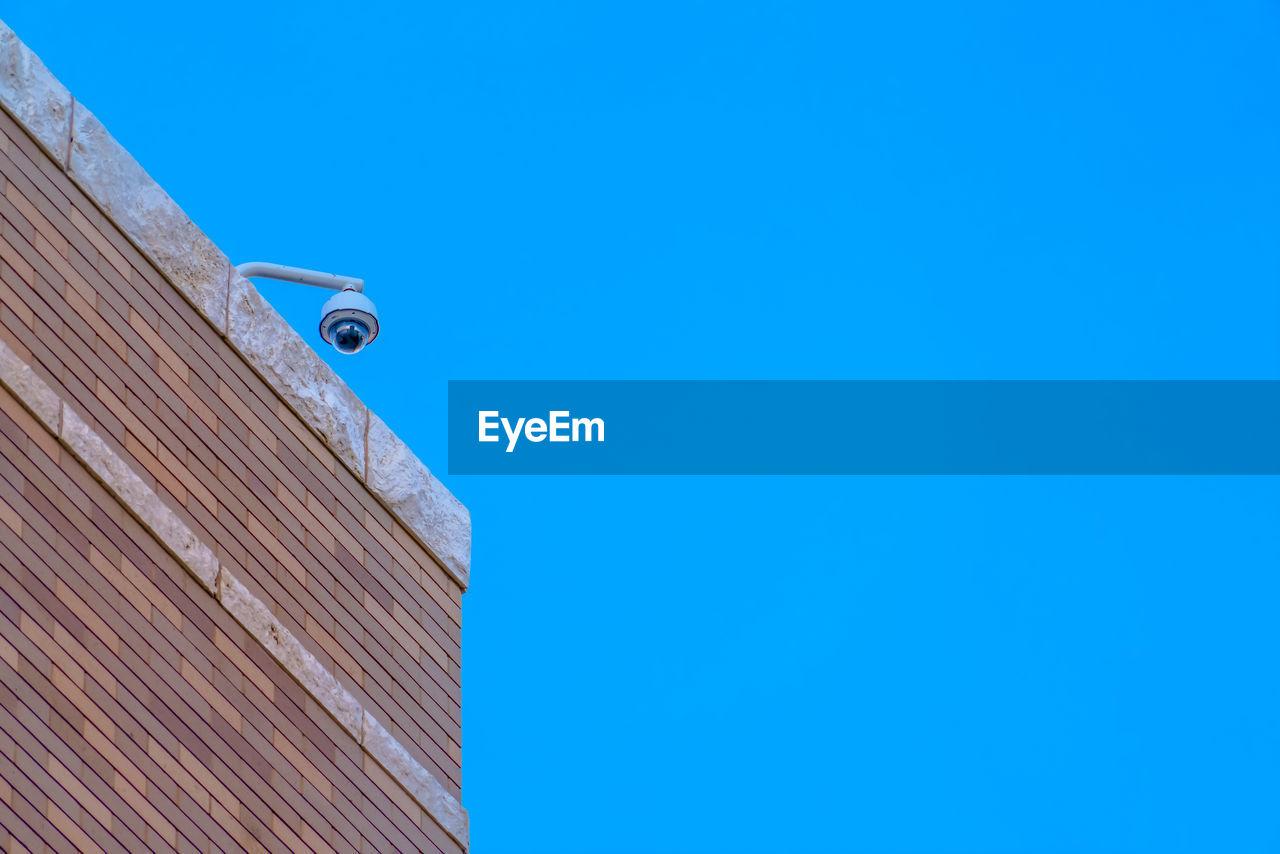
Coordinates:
[786,190]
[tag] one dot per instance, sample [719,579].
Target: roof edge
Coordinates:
[81,146]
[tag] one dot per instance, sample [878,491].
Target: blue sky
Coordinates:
[786,190]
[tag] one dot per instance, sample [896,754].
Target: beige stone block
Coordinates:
[417,780]
[140,498]
[144,212]
[34,96]
[257,619]
[296,372]
[248,610]
[419,499]
[320,684]
[27,386]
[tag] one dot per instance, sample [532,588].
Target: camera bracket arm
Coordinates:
[329,281]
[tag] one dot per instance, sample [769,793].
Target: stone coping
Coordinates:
[80,145]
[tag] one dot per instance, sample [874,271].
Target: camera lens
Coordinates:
[349,336]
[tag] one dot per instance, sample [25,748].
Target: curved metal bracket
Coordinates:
[330,281]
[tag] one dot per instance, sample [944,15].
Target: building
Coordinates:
[229,595]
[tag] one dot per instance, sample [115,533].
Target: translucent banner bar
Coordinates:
[864,427]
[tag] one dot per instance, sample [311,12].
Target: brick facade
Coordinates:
[136,711]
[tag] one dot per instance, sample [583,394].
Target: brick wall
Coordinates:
[137,712]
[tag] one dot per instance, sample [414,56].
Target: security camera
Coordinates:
[349,321]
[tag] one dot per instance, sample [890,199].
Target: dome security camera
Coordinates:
[349,321]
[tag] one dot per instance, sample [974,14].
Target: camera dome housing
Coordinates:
[349,321]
